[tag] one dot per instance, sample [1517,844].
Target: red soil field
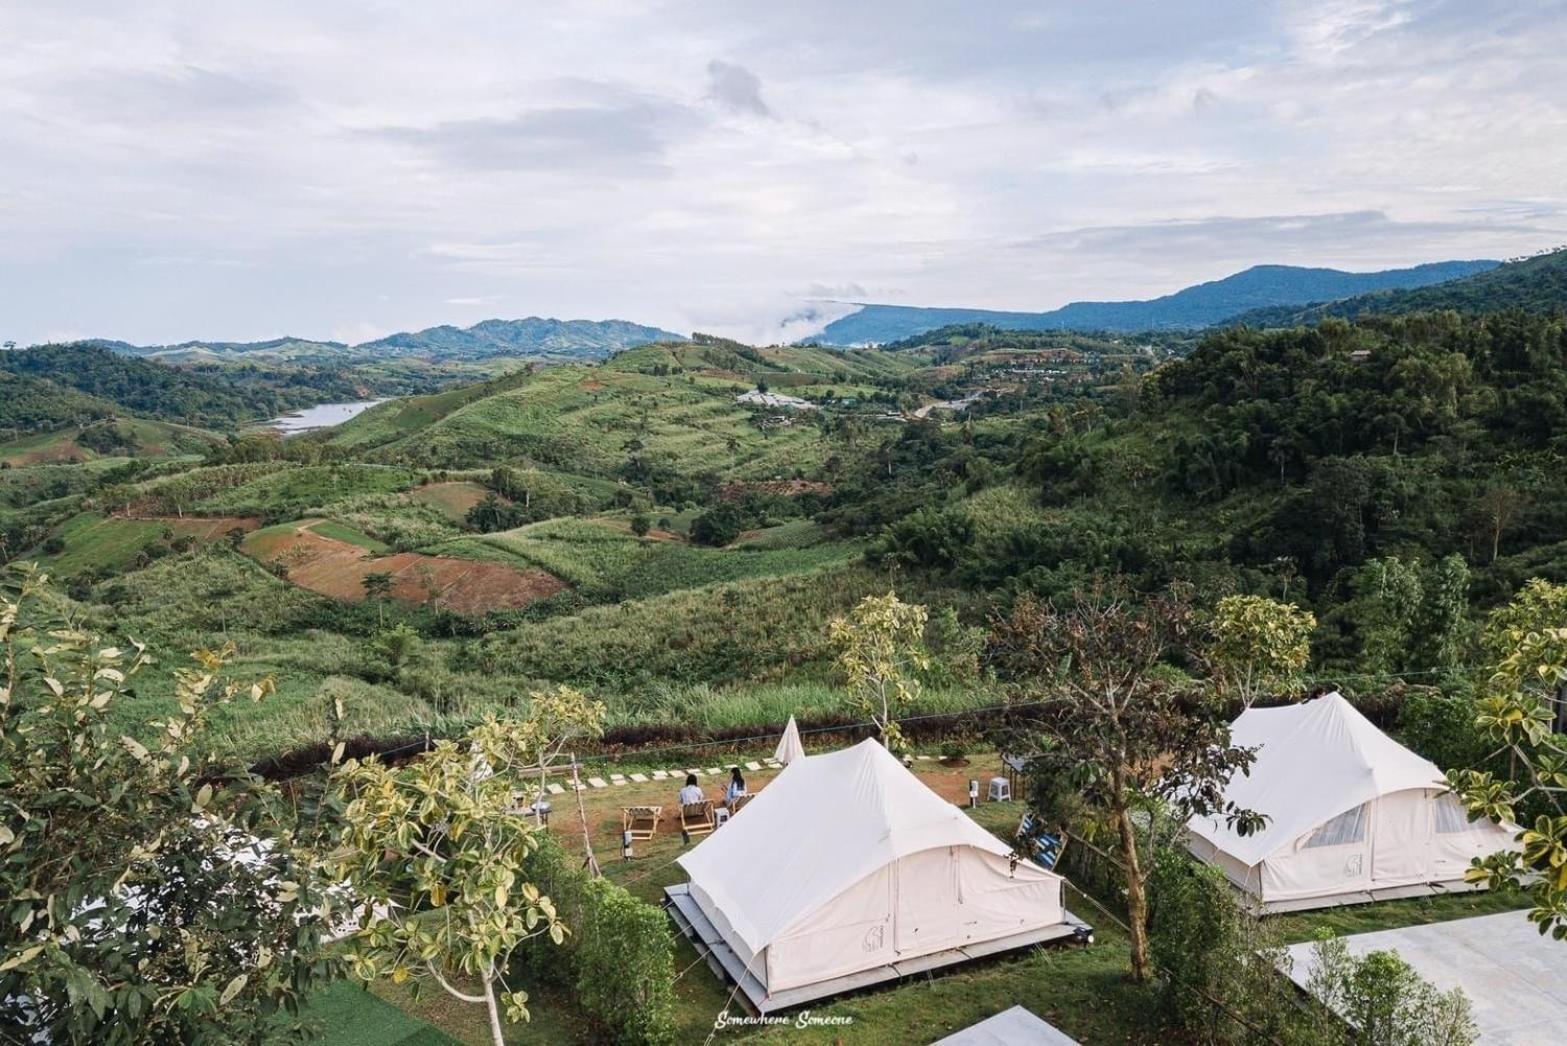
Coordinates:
[338,569]
[202,528]
[788,488]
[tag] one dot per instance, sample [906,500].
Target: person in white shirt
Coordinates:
[692,792]
[736,786]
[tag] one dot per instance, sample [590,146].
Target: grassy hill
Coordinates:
[112,437]
[1537,285]
[645,407]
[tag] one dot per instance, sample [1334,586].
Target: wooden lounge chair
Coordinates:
[697,818]
[640,822]
[738,804]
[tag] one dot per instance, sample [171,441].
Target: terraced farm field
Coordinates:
[454,499]
[94,542]
[320,557]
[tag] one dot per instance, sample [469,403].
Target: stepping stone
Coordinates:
[688,771]
[775,764]
[556,789]
[596,782]
[753,766]
[715,771]
[618,779]
[639,778]
[922,757]
[660,775]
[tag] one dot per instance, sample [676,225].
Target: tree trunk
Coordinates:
[497,1035]
[591,863]
[1136,899]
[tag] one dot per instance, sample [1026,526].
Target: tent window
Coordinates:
[1451,817]
[1347,827]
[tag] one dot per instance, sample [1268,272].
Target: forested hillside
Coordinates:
[63,381]
[1537,285]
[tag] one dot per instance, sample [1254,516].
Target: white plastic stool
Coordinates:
[721,815]
[1000,788]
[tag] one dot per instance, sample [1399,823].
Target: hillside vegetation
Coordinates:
[637,528]
[1534,285]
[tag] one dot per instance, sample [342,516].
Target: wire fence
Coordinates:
[307,759]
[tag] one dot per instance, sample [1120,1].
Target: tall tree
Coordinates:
[881,647]
[1096,712]
[435,852]
[1494,512]
[1259,645]
[378,586]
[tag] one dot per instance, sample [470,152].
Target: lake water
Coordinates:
[321,416]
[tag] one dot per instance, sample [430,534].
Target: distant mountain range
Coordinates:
[1537,284]
[533,336]
[1204,305]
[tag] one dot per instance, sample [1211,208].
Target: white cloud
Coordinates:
[179,170]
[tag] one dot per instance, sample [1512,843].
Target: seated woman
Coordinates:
[692,792]
[736,786]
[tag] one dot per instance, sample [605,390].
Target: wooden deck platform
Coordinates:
[753,994]
[1339,900]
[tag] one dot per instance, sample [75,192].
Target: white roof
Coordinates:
[825,823]
[1014,1027]
[1314,761]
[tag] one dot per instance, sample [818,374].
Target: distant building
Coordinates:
[757,398]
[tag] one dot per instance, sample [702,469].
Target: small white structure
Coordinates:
[1353,815]
[789,746]
[845,871]
[758,398]
[1010,1027]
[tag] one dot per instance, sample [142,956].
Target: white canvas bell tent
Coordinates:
[847,865]
[1353,815]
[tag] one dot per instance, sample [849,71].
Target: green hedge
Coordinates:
[618,960]
[624,960]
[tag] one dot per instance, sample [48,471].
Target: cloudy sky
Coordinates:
[221,170]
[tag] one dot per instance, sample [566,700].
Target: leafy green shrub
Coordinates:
[929,537]
[623,956]
[1219,965]
[619,955]
[1441,727]
[718,526]
[1386,1001]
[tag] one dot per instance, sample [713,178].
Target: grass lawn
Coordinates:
[96,542]
[348,1015]
[338,532]
[1387,915]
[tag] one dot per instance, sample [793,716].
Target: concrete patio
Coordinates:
[1516,979]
